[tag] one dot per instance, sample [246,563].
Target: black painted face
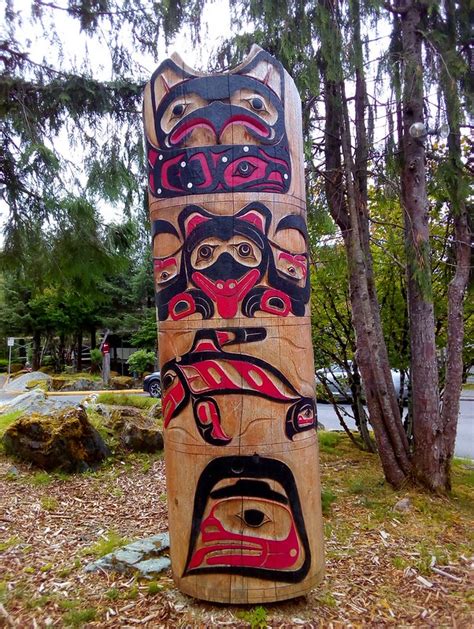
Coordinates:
[247,520]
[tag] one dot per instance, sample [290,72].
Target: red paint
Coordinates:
[207,413]
[189,126]
[297,260]
[194,221]
[171,399]
[227,294]
[246,121]
[255,219]
[273,293]
[244,550]
[185,312]
[214,376]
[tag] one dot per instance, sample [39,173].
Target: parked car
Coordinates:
[337,380]
[152,384]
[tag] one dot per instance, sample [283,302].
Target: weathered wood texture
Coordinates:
[227,207]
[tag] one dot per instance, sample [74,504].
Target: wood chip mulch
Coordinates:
[379,569]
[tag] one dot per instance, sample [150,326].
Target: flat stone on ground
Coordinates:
[144,555]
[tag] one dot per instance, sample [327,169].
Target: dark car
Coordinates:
[152,384]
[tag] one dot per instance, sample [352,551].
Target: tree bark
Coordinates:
[350,213]
[427,426]
[462,246]
[79,351]
[36,350]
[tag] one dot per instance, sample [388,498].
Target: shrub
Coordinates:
[140,361]
[96,360]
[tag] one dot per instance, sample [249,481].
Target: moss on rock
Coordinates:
[64,440]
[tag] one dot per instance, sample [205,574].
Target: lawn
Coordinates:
[384,567]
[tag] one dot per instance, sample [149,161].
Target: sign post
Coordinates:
[10,343]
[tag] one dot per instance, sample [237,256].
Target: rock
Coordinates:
[20,383]
[136,431]
[34,402]
[145,556]
[64,440]
[38,384]
[403,505]
[61,383]
[120,383]
[155,411]
[141,436]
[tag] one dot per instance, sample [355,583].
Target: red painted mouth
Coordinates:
[187,127]
[203,123]
[227,294]
[246,121]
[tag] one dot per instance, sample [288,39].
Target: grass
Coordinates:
[328,441]
[106,544]
[126,399]
[49,503]
[6,419]
[327,498]
[256,617]
[79,617]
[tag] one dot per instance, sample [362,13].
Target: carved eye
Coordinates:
[164,276]
[244,169]
[253,517]
[168,379]
[244,249]
[205,252]
[179,109]
[257,104]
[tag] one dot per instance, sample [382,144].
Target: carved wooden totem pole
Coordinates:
[227,208]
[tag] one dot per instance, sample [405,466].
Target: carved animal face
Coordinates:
[225,256]
[217,133]
[243,107]
[247,520]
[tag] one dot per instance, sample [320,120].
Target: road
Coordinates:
[464,437]
[326,415]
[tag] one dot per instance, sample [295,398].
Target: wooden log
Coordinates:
[228,216]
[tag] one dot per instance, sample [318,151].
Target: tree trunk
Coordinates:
[427,427]
[36,350]
[350,213]
[462,247]
[79,351]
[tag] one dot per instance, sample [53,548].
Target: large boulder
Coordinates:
[34,401]
[24,380]
[122,383]
[64,440]
[65,383]
[136,431]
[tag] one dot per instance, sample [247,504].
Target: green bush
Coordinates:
[140,361]
[96,360]
[3,364]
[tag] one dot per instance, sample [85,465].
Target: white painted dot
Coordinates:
[183,164]
[232,285]
[246,149]
[225,159]
[220,285]
[190,185]
[160,157]
[285,176]
[159,190]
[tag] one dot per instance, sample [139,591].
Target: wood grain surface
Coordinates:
[228,216]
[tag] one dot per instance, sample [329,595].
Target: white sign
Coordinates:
[11,341]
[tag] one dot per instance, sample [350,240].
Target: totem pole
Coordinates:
[228,217]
